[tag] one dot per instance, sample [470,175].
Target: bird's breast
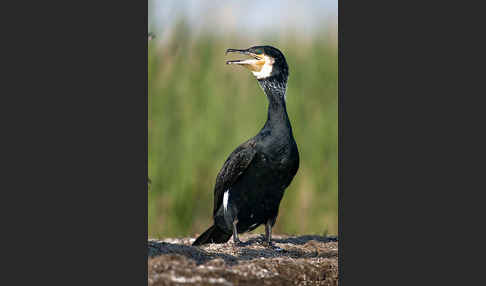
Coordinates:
[279,159]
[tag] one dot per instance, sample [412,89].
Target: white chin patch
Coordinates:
[266,70]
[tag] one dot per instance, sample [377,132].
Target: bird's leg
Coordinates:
[268,235]
[236,240]
[268,232]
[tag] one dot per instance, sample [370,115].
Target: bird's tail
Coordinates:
[212,235]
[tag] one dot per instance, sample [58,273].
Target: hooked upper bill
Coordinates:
[259,64]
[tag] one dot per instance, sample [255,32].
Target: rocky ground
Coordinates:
[294,260]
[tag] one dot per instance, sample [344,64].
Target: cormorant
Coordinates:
[252,181]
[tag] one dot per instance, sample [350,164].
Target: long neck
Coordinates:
[275,89]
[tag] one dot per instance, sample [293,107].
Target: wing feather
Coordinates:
[236,164]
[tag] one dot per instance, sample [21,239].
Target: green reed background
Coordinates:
[201,109]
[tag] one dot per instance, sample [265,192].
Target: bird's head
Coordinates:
[266,62]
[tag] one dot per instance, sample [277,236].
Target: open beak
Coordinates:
[254,64]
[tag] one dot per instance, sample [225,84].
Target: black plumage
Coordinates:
[252,181]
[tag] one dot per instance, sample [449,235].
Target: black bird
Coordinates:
[253,179]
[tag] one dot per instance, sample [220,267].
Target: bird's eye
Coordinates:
[258,51]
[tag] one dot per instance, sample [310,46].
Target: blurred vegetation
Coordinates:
[201,109]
